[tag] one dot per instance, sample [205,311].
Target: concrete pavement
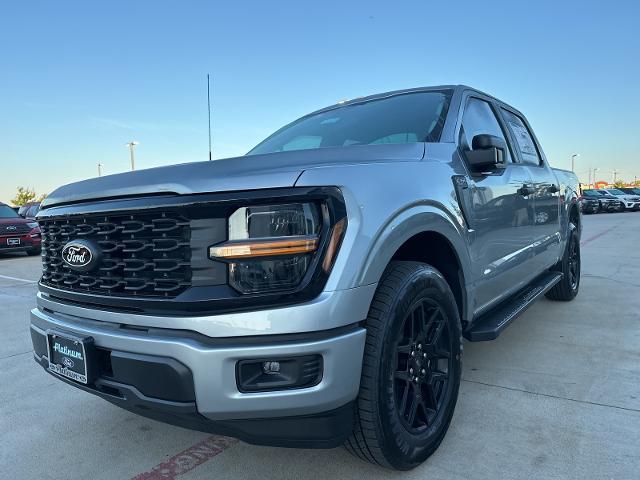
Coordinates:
[557,395]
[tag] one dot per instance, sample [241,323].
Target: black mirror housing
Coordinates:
[488,152]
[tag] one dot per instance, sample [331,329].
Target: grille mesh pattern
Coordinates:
[142,254]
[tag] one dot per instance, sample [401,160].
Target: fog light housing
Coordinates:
[270,374]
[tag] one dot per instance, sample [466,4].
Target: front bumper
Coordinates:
[196,386]
[26,243]
[611,206]
[590,207]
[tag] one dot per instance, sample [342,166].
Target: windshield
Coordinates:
[590,193]
[33,211]
[8,212]
[404,118]
[615,191]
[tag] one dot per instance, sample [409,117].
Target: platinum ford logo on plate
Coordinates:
[79,255]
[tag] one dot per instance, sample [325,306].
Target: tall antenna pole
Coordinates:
[99,169]
[209,112]
[132,156]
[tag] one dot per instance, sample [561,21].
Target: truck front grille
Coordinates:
[141,254]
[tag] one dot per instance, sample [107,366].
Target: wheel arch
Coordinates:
[427,235]
[574,216]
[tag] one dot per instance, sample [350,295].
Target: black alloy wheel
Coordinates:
[567,288]
[574,262]
[411,368]
[423,357]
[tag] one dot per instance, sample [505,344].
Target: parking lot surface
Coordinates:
[557,395]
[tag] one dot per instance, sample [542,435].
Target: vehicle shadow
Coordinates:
[12,256]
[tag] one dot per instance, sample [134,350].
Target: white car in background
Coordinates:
[629,202]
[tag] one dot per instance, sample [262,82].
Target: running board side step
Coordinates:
[492,323]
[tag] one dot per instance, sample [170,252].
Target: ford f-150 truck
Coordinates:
[316,291]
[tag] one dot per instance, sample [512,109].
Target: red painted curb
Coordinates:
[188,459]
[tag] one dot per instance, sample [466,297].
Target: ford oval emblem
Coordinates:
[67,362]
[79,255]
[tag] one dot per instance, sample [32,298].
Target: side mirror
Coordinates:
[488,152]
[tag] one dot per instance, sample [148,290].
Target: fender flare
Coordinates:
[405,224]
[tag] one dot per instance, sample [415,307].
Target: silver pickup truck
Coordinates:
[316,291]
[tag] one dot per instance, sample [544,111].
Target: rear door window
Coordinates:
[524,140]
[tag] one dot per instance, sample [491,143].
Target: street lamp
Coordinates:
[573,158]
[594,177]
[132,145]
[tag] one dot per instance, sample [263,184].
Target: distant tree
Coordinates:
[619,183]
[24,195]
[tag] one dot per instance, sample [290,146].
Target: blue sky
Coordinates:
[79,79]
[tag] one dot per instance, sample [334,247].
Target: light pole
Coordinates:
[573,158]
[132,145]
[100,169]
[594,177]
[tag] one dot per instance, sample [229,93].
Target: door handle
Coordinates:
[525,190]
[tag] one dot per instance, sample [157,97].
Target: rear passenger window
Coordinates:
[524,139]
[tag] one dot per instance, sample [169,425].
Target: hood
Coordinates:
[250,172]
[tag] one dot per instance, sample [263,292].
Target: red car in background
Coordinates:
[18,234]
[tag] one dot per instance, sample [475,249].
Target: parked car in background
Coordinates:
[29,210]
[628,201]
[18,234]
[608,203]
[631,191]
[589,204]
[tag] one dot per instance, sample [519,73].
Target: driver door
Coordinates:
[499,208]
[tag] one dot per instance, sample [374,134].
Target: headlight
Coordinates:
[271,247]
[32,224]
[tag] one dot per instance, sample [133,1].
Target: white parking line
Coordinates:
[18,279]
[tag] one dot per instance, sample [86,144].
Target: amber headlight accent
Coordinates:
[270,247]
[264,248]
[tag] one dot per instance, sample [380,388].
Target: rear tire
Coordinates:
[411,368]
[570,265]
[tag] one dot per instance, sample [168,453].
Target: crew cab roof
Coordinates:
[453,88]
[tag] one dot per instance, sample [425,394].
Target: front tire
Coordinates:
[570,266]
[33,251]
[411,368]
